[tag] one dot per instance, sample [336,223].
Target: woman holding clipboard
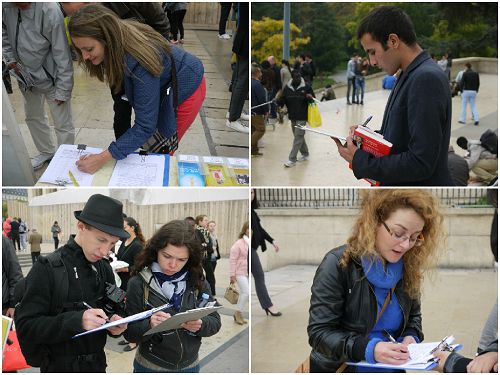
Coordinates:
[168,270]
[365,303]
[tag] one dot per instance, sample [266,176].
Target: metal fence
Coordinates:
[349,198]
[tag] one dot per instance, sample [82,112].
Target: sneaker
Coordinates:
[303,158]
[181,41]
[476,122]
[236,125]
[173,41]
[225,36]
[244,117]
[38,161]
[461,122]
[289,164]
[257,153]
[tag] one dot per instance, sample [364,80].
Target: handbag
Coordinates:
[304,367]
[232,294]
[313,116]
[13,359]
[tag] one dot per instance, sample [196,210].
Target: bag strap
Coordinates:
[61,282]
[379,315]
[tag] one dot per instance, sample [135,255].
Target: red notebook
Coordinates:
[373,143]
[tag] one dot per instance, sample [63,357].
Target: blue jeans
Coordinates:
[139,368]
[468,96]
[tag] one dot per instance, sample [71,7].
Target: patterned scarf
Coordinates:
[205,232]
[172,287]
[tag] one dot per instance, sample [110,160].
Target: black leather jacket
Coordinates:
[343,312]
[175,349]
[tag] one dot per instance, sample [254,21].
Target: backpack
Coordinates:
[489,141]
[35,353]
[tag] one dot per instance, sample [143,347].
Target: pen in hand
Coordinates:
[90,307]
[391,339]
[367,121]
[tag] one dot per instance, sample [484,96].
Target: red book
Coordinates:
[373,143]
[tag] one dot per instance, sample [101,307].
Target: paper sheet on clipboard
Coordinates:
[328,134]
[175,321]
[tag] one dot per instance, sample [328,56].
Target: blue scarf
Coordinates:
[383,278]
[172,287]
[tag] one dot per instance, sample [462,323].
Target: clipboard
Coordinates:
[422,353]
[175,321]
[343,139]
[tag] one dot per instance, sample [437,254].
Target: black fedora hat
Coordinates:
[103,213]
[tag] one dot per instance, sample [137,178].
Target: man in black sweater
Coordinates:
[469,87]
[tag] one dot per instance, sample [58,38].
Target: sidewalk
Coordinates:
[325,167]
[92,106]
[225,352]
[456,302]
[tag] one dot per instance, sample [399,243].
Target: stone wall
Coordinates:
[306,235]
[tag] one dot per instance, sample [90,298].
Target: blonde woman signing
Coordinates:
[238,271]
[369,289]
[164,84]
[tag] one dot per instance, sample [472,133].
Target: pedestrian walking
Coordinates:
[177,11]
[206,249]
[469,85]
[259,112]
[238,271]
[259,238]
[35,240]
[14,233]
[225,9]
[23,234]
[351,78]
[215,243]
[56,232]
[296,96]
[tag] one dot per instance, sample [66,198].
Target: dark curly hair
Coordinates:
[176,233]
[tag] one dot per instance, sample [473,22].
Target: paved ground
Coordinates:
[325,166]
[455,302]
[225,352]
[93,107]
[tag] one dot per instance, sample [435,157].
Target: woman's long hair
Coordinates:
[376,207]
[119,38]
[176,233]
[243,230]
[131,222]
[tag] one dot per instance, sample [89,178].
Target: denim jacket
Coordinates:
[152,110]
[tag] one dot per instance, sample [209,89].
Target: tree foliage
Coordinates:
[267,39]
[467,29]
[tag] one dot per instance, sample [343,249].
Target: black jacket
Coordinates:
[296,101]
[417,121]
[175,349]
[259,96]
[470,80]
[206,244]
[128,254]
[14,228]
[343,312]
[34,323]
[151,14]
[11,273]
[259,234]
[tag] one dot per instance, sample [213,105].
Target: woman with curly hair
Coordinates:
[168,270]
[164,84]
[368,291]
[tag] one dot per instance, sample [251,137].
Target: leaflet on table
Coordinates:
[239,170]
[63,162]
[421,356]
[175,321]
[190,171]
[128,319]
[216,172]
[141,170]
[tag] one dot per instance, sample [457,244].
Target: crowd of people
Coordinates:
[109,251]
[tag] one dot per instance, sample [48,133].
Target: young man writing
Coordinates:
[99,227]
[417,117]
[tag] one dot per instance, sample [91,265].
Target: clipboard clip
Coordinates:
[81,148]
[61,182]
[443,346]
[143,155]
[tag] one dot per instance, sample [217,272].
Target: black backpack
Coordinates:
[489,140]
[36,353]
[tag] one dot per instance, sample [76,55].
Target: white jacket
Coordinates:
[36,39]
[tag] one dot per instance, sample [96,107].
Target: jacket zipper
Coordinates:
[19,20]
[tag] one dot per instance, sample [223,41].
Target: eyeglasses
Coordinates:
[415,241]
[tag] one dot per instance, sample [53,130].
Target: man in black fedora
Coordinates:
[76,276]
